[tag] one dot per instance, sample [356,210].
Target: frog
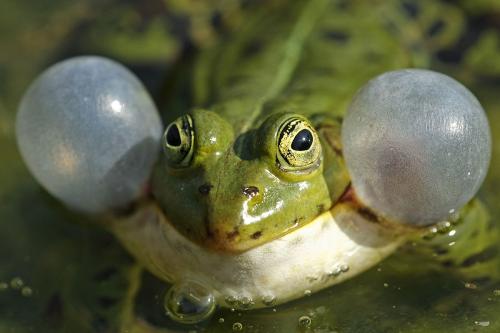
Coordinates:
[234,206]
[243,101]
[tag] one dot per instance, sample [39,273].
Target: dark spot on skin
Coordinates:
[250,191]
[342,5]
[436,28]
[217,21]
[447,263]
[485,255]
[233,234]
[205,188]
[337,36]
[256,235]
[440,251]
[368,214]
[252,48]
[410,8]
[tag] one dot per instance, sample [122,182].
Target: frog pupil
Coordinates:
[173,136]
[303,140]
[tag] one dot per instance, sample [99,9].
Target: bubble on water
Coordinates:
[16,283]
[386,285]
[237,327]
[26,291]
[307,292]
[268,300]
[231,300]
[344,268]
[189,302]
[305,321]
[3,286]
[339,269]
[496,292]
[221,320]
[246,302]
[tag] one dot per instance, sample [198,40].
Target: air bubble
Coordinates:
[26,291]
[189,302]
[237,327]
[16,283]
[269,300]
[305,321]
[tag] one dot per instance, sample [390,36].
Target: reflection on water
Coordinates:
[60,273]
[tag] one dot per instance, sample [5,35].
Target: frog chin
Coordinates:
[336,246]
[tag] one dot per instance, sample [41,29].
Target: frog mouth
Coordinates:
[335,246]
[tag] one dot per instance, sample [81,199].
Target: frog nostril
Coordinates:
[250,191]
[205,188]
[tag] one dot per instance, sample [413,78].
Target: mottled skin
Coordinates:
[234,195]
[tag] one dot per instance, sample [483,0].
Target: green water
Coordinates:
[60,273]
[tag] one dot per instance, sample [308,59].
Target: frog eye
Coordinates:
[178,141]
[417,145]
[298,145]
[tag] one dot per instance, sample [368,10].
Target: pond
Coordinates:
[60,272]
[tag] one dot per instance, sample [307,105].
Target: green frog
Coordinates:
[251,196]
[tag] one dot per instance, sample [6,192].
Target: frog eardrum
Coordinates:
[417,145]
[89,133]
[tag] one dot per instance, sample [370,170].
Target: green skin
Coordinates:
[254,84]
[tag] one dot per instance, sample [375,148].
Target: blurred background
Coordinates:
[59,273]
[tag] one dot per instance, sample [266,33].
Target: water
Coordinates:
[60,273]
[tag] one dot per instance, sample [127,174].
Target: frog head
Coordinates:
[233,192]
